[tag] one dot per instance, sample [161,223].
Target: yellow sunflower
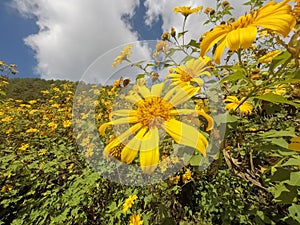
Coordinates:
[184,75]
[187,10]
[128,203]
[233,102]
[150,114]
[241,33]
[126,52]
[135,220]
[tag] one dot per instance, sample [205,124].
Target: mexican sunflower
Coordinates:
[241,33]
[126,52]
[184,75]
[233,103]
[187,10]
[150,114]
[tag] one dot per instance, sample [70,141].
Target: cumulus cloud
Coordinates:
[163,9]
[73,33]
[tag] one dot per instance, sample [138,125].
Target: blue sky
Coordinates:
[12,48]
[16,27]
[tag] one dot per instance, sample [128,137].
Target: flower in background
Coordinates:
[269,56]
[135,220]
[185,75]
[67,123]
[241,33]
[128,203]
[295,144]
[152,113]
[23,147]
[233,103]
[187,10]
[126,52]
[31,130]
[187,176]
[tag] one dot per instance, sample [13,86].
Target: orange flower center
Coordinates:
[186,77]
[153,111]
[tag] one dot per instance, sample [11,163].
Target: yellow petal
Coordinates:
[134,98]
[210,124]
[183,94]
[130,150]
[233,40]
[124,112]
[212,37]
[144,91]
[124,136]
[247,36]
[186,135]
[219,50]
[120,121]
[103,127]
[149,153]
[157,89]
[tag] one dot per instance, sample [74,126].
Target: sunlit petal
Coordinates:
[186,135]
[149,153]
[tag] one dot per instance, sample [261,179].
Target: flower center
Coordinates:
[186,77]
[153,111]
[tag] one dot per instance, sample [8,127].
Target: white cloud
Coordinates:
[72,33]
[195,27]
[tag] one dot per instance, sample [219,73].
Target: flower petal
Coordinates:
[157,89]
[213,37]
[149,153]
[121,138]
[186,135]
[183,94]
[131,149]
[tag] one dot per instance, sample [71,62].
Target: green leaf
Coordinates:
[280,59]
[238,75]
[140,76]
[194,44]
[271,97]
[225,118]
[196,160]
[290,132]
[294,211]
[294,179]
[182,33]
[292,161]
[168,221]
[187,58]
[279,142]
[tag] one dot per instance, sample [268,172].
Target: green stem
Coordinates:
[183,28]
